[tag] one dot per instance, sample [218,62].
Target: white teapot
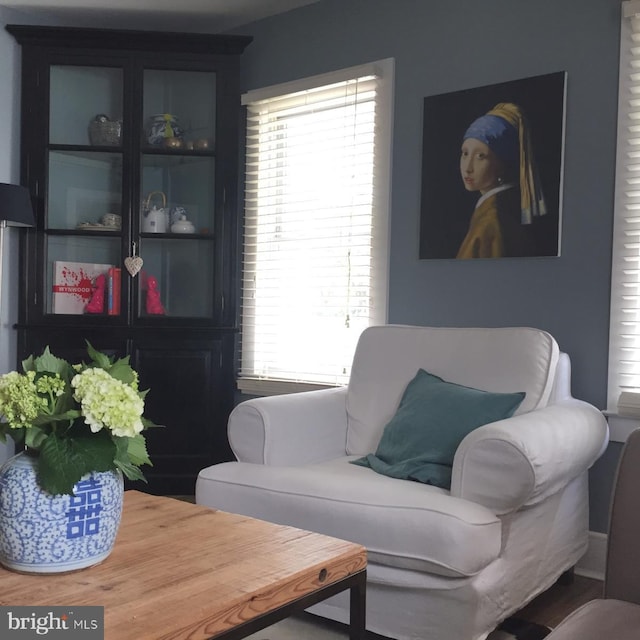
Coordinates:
[155,219]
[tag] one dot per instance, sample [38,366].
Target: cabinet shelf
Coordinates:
[184,159]
[86,148]
[85,232]
[178,236]
[182,151]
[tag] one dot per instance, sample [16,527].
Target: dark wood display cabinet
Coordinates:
[129,147]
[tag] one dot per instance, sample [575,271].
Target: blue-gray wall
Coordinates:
[441,46]
[9,172]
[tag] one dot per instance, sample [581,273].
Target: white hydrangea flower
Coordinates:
[107,403]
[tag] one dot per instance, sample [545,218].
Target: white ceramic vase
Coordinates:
[41,533]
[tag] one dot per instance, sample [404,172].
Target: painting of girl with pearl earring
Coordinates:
[492,170]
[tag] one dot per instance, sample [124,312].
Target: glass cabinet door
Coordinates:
[81,96]
[177,189]
[84,203]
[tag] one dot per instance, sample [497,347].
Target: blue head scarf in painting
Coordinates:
[499,135]
[505,131]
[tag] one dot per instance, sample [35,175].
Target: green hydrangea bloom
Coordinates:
[53,386]
[108,403]
[19,400]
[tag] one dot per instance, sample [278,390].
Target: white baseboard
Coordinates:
[593,562]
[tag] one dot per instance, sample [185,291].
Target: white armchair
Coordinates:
[444,563]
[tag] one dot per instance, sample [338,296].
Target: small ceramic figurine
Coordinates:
[96,303]
[154,306]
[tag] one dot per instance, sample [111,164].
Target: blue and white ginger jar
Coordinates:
[41,533]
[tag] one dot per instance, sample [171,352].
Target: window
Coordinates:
[624,339]
[315,260]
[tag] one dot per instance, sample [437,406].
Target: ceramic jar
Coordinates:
[41,533]
[162,126]
[183,226]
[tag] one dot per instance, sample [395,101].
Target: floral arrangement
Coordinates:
[76,418]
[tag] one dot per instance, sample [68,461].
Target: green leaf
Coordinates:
[34,437]
[67,416]
[121,370]
[131,453]
[65,406]
[100,359]
[130,470]
[147,424]
[63,461]
[27,365]
[59,467]
[137,450]
[132,450]
[52,364]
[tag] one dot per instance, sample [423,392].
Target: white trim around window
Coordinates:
[316,233]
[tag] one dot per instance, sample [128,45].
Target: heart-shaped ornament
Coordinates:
[133,264]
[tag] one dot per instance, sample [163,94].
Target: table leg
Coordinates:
[358,607]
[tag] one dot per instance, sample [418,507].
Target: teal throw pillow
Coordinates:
[434,416]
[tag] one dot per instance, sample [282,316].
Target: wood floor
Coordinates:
[555,604]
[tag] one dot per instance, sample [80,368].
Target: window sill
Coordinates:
[620,426]
[262,387]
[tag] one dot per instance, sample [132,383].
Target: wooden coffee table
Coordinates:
[179,571]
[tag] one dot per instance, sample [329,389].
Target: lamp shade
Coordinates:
[15,206]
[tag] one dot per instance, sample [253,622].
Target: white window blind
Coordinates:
[624,339]
[315,256]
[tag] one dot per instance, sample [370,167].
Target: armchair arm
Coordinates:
[293,429]
[523,459]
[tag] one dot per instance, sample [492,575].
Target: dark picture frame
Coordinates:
[446,206]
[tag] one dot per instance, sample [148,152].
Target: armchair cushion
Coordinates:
[434,415]
[404,525]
